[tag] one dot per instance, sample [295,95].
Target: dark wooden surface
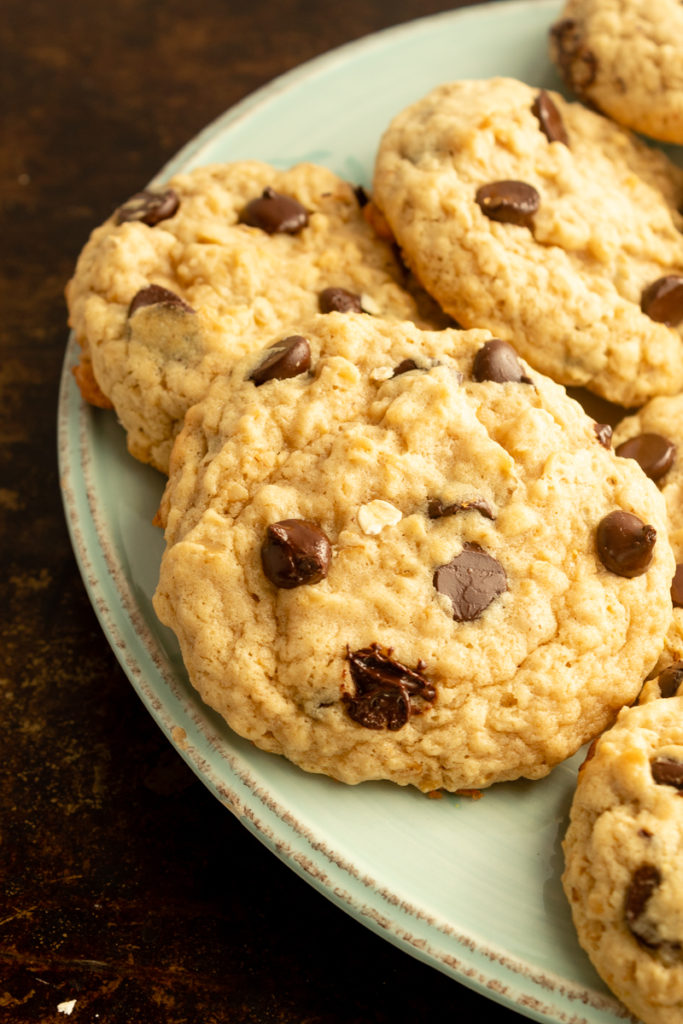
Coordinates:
[125,885]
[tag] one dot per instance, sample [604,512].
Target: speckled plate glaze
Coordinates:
[470,887]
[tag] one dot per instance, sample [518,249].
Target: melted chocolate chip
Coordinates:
[339,300]
[625,543]
[576,61]
[510,202]
[677,586]
[663,300]
[295,552]
[603,432]
[472,580]
[285,359]
[549,118]
[667,771]
[437,510]
[405,366]
[497,360]
[149,206]
[275,213]
[644,881]
[385,689]
[653,453]
[154,295]
[670,679]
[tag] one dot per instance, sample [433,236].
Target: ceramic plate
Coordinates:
[470,887]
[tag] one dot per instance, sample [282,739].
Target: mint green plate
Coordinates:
[470,887]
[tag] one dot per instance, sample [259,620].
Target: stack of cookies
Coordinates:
[396,548]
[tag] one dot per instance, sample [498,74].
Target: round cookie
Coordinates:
[387,558]
[623,851]
[547,224]
[181,279]
[653,436]
[625,57]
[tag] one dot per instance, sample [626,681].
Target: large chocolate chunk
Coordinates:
[497,360]
[576,61]
[625,543]
[667,771]
[155,295]
[644,881]
[339,300]
[510,202]
[295,552]
[670,679]
[275,213]
[385,689]
[654,454]
[472,580]
[663,300]
[148,206]
[285,359]
[549,118]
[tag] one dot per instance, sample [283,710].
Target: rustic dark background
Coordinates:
[125,885]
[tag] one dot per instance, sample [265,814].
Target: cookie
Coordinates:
[547,224]
[624,57]
[623,850]
[654,438]
[405,555]
[182,279]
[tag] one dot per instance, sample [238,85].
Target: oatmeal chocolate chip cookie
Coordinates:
[547,224]
[625,57]
[181,280]
[654,438]
[623,852]
[397,554]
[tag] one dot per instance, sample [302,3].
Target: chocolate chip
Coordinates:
[471,581]
[361,195]
[149,206]
[653,453]
[497,360]
[667,771]
[644,881]
[285,359]
[385,689]
[625,543]
[154,295]
[663,300]
[603,432]
[677,587]
[339,300]
[670,679]
[437,510]
[275,213]
[405,366]
[510,202]
[549,118]
[576,61]
[295,552]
